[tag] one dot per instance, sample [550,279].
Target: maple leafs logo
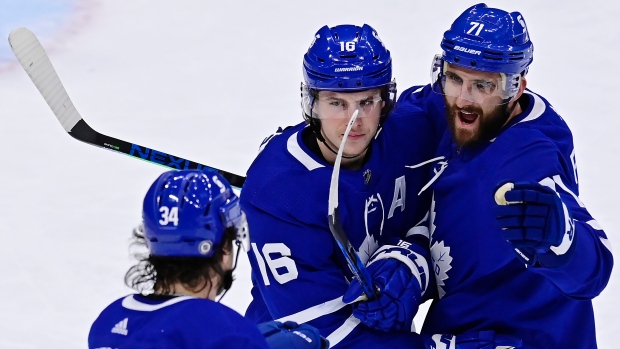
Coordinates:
[440,254]
[370,244]
[442,261]
[367,248]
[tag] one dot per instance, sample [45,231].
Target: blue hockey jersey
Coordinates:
[481,284]
[137,321]
[298,269]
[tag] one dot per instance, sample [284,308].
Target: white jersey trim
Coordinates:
[537,110]
[606,243]
[315,312]
[418,90]
[558,180]
[293,147]
[594,224]
[344,330]
[130,303]
[421,228]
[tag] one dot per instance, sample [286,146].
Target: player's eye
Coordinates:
[367,102]
[485,86]
[454,78]
[336,103]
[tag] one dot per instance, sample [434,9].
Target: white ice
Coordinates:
[208,80]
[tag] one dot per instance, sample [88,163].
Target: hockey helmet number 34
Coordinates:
[185,214]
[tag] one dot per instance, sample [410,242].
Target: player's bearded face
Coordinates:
[475,104]
[335,110]
[471,123]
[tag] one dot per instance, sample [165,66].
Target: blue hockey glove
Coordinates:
[401,276]
[471,340]
[536,221]
[290,335]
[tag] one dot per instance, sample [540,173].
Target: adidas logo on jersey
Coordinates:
[121,327]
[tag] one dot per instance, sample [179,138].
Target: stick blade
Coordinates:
[335,226]
[33,58]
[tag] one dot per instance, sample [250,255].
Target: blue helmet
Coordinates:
[185,214]
[346,58]
[489,39]
[485,39]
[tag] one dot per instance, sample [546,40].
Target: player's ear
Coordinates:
[227,250]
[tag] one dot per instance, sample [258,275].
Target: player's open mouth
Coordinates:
[467,118]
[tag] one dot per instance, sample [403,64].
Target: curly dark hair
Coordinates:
[159,273]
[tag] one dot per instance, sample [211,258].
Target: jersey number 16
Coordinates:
[282,268]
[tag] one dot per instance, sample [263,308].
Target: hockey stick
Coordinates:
[37,64]
[353,260]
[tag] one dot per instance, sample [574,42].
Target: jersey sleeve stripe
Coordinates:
[559,182]
[606,243]
[315,312]
[344,330]
[594,224]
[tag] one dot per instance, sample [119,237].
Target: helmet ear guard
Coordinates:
[388,94]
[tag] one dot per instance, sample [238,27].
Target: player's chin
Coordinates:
[465,136]
[358,149]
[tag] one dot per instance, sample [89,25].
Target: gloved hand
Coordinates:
[401,275]
[536,221]
[471,340]
[290,335]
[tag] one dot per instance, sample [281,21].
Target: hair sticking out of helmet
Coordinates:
[185,214]
[490,40]
[345,58]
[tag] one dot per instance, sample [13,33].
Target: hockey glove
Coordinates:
[401,276]
[536,221]
[290,335]
[471,340]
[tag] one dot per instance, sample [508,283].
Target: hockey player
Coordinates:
[514,249]
[190,221]
[299,272]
